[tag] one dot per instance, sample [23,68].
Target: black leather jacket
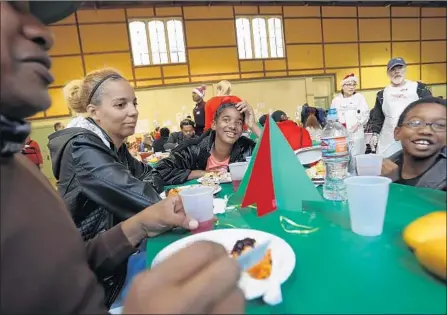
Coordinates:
[194,154]
[101,186]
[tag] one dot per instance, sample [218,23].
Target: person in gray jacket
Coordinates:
[421,129]
[187,132]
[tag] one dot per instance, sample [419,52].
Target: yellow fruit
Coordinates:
[432,255]
[428,227]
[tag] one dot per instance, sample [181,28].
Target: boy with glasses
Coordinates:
[421,129]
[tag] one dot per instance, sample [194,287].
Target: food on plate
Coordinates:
[217,177]
[316,171]
[428,227]
[209,181]
[172,192]
[210,184]
[153,160]
[175,191]
[261,270]
[427,236]
[211,175]
[432,255]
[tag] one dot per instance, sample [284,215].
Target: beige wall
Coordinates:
[169,105]
[326,40]
[165,103]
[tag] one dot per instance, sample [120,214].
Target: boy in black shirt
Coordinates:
[422,131]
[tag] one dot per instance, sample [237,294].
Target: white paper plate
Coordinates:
[216,190]
[283,257]
[309,155]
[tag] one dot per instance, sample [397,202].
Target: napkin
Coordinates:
[273,295]
[219,205]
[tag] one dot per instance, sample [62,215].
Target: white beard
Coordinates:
[397,80]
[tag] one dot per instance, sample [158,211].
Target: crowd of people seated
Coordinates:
[108,202]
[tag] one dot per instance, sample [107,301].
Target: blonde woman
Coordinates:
[223,95]
[353,112]
[97,176]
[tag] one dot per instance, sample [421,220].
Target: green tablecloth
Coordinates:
[338,271]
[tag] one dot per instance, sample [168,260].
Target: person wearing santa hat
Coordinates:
[224,94]
[391,102]
[353,112]
[199,110]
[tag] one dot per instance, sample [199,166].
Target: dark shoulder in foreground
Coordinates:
[29,235]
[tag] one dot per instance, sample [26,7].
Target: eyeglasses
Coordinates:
[416,124]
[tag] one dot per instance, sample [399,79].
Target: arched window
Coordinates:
[276,38]
[259,37]
[158,41]
[176,42]
[138,40]
[244,38]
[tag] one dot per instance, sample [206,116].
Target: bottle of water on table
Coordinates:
[334,146]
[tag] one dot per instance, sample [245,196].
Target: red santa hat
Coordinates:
[200,91]
[349,78]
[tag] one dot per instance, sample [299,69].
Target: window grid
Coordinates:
[163,44]
[140,48]
[265,33]
[244,38]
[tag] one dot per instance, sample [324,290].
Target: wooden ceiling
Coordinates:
[133,4]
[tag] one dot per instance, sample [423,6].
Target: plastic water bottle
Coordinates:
[334,146]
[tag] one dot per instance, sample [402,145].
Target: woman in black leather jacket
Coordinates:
[100,181]
[219,146]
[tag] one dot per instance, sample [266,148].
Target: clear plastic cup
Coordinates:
[367,199]
[369,164]
[198,204]
[237,171]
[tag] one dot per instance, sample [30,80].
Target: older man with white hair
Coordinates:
[391,102]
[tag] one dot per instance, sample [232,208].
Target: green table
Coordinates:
[338,271]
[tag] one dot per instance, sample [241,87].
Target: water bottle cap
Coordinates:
[332,114]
